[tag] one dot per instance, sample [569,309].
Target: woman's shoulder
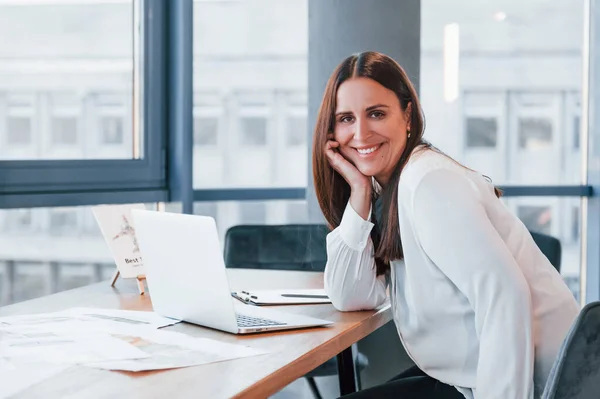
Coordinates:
[423,161]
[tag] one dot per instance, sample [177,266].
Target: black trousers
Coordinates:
[411,384]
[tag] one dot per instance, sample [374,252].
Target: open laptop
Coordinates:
[187,278]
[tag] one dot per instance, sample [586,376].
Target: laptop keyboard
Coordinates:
[249,321]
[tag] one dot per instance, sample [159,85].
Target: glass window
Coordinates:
[296,130]
[18,220]
[251,212]
[481,132]
[18,130]
[576,132]
[297,212]
[511,59]
[63,221]
[206,131]
[111,128]
[535,133]
[49,259]
[251,68]
[233,213]
[206,209]
[64,131]
[60,56]
[536,218]
[575,225]
[254,131]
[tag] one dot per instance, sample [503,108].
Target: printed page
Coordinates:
[116,224]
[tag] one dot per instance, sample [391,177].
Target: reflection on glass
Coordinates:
[66,79]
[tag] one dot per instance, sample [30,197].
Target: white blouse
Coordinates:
[476,303]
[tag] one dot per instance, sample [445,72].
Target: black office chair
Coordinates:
[284,247]
[576,371]
[550,246]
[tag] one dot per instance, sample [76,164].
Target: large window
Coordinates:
[46,250]
[231,213]
[59,56]
[507,82]
[82,90]
[250,66]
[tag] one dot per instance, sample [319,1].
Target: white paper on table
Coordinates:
[174,350]
[20,378]
[68,349]
[80,321]
[117,227]
[130,317]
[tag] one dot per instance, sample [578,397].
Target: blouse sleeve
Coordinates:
[350,275]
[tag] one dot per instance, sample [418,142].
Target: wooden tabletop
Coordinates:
[291,353]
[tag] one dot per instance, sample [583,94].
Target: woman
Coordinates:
[478,307]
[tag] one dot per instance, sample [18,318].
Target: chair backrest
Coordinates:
[576,371]
[281,247]
[550,246]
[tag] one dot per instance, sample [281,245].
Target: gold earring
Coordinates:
[408,131]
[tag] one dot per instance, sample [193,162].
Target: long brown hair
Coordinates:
[332,191]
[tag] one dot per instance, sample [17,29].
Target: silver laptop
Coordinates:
[187,279]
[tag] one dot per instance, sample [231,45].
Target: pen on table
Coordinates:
[305,296]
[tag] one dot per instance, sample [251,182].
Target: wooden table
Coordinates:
[291,353]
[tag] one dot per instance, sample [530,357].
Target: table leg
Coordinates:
[345,363]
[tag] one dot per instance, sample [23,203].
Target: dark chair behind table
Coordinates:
[300,247]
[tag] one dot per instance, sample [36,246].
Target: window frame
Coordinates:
[32,183]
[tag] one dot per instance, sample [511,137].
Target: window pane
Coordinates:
[18,131]
[482,132]
[206,131]
[64,131]
[66,80]
[297,132]
[111,130]
[233,213]
[250,69]
[254,131]
[535,133]
[46,250]
[519,125]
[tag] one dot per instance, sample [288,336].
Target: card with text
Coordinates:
[116,224]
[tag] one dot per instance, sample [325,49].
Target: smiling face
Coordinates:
[371,127]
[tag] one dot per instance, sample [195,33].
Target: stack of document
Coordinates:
[36,347]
